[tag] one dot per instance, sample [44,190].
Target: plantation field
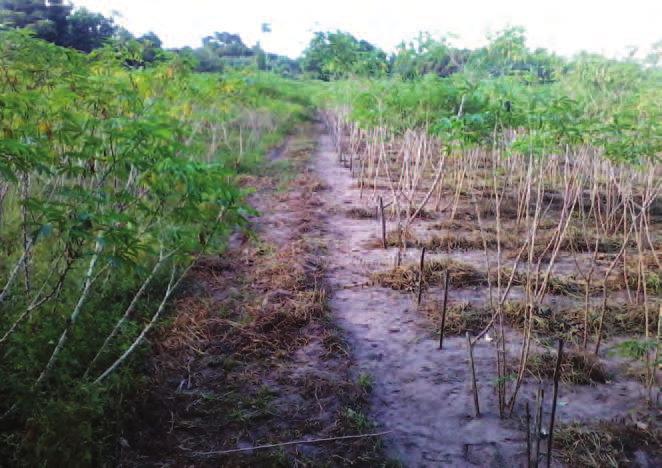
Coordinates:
[517,284]
[446,258]
[115,182]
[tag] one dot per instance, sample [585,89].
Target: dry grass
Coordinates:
[460,317]
[229,365]
[571,285]
[579,240]
[452,240]
[187,335]
[406,278]
[393,239]
[576,368]
[627,319]
[575,285]
[606,443]
[282,295]
[620,319]
[361,213]
[458,224]
[423,214]
[372,213]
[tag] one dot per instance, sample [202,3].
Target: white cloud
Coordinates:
[565,26]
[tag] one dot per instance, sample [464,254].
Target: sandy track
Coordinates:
[420,393]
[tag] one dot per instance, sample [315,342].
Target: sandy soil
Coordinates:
[303,384]
[251,357]
[421,393]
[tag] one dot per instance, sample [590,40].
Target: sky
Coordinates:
[609,27]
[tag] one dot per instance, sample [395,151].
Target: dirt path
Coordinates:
[419,392]
[255,355]
[251,356]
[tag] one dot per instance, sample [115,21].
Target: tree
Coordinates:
[227,44]
[260,57]
[508,54]
[332,55]
[151,44]
[265,28]
[57,22]
[48,20]
[87,31]
[427,55]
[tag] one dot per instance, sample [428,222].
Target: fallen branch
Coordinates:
[283,444]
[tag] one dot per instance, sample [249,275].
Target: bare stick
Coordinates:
[420,279]
[528,436]
[74,315]
[294,442]
[127,313]
[537,425]
[557,374]
[443,309]
[472,369]
[604,291]
[437,178]
[381,214]
[14,272]
[172,285]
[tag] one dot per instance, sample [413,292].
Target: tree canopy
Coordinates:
[57,22]
[339,54]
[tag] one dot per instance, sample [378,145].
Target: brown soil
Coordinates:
[251,356]
[422,393]
[309,331]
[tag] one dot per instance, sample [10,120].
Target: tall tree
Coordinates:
[48,19]
[338,54]
[88,30]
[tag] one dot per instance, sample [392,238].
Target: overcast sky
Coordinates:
[564,26]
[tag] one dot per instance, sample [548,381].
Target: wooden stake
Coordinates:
[381,214]
[500,378]
[528,436]
[472,369]
[537,426]
[557,375]
[421,277]
[443,309]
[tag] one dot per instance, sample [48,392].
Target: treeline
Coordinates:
[329,55]
[58,22]
[338,55]
[223,50]
[78,28]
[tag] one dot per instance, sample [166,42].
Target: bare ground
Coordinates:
[286,337]
[251,356]
[421,393]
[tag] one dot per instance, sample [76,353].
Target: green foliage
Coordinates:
[57,22]
[224,50]
[365,381]
[426,55]
[470,97]
[635,349]
[333,55]
[107,167]
[357,420]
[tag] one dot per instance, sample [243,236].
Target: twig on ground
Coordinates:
[283,444]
